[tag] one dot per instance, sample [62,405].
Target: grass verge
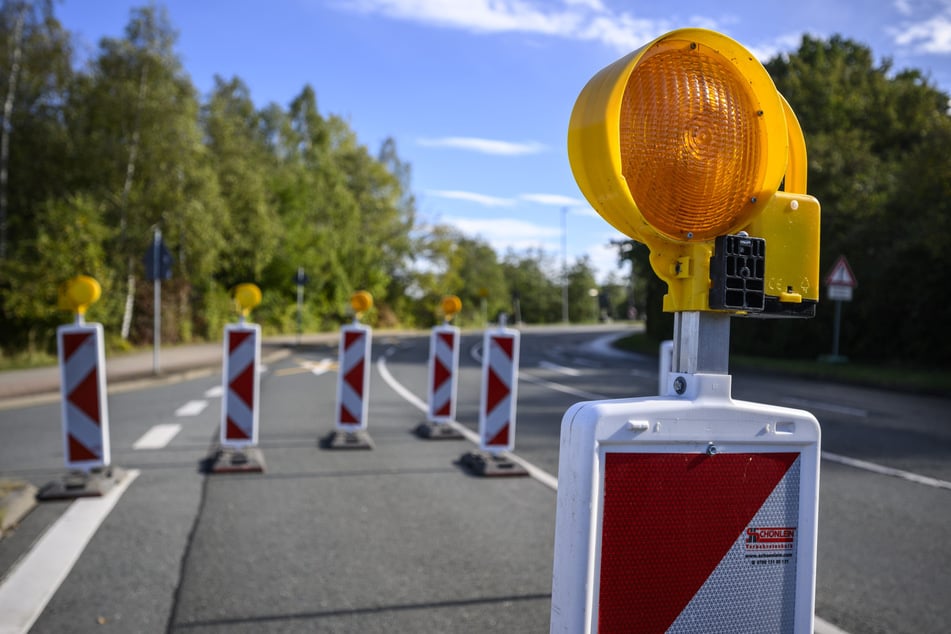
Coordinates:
[892,377]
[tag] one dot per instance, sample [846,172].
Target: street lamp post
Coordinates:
[564,264]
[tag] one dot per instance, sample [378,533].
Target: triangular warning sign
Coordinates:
[841,274]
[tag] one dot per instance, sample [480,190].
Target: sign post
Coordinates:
[300,279]
[158,267]
[840,282]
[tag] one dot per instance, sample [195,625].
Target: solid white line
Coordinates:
[33,581]
[158,437]
[824,627]
[821,626]
[548,365]
[558,387]
[214,392]
[191,408]
[888,471]
[826,407]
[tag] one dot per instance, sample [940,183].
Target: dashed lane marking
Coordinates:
[192,408]
[158,437]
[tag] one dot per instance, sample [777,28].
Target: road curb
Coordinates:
[17,498]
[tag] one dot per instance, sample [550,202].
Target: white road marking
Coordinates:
[548,365]
[158,437]
[826,407]
[558,387]
[191,408]
[214,392]
[888,471]
[35,579]
[321,367]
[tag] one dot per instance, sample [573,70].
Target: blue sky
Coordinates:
[477,93]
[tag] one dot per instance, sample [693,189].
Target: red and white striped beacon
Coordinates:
[353,377]
[241,382]
[85,410]
[498,397]
[240,410]
[444,365]
[692,511]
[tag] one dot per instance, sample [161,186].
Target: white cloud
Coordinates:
[931,35]
[484,146]
[574,19]
[555,200]
[776,46]
[475,15]
[481,199]
[507,233]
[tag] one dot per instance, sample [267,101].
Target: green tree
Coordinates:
[244,164]
[530,281]
[582,305]
[36,61]
[134,120]
[875,164]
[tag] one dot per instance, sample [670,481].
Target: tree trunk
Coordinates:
[7,126]
[124,209]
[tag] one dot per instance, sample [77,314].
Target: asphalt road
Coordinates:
[400,539]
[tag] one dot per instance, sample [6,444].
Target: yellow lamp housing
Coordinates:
[686,140]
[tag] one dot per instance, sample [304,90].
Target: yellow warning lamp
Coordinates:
[683,145]
[450,304]
[361,302]
[246,297]
[78,293]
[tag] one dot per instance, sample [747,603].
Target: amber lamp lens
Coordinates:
[691,142]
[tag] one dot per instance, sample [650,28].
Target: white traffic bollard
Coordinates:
[497,404]
[241,383]
[84,408]
[353,381]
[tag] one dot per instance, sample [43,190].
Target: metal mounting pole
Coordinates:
[701,343]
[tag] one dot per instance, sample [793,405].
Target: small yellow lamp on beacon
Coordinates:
[246,297]
[361,302]
[78,293]
[683,145]
[450,304]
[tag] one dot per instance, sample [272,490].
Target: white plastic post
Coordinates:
[242,385]
[353,377]
[500,350]
[443,373]
[85,410]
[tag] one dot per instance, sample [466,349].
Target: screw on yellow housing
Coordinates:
[451,304]
[78,293]
[687,139]
[246,297]
[361,302]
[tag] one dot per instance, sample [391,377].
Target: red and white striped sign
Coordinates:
[686,514]
[353,378]
[83,389]
[443,372]
[240,376]
[499,389]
